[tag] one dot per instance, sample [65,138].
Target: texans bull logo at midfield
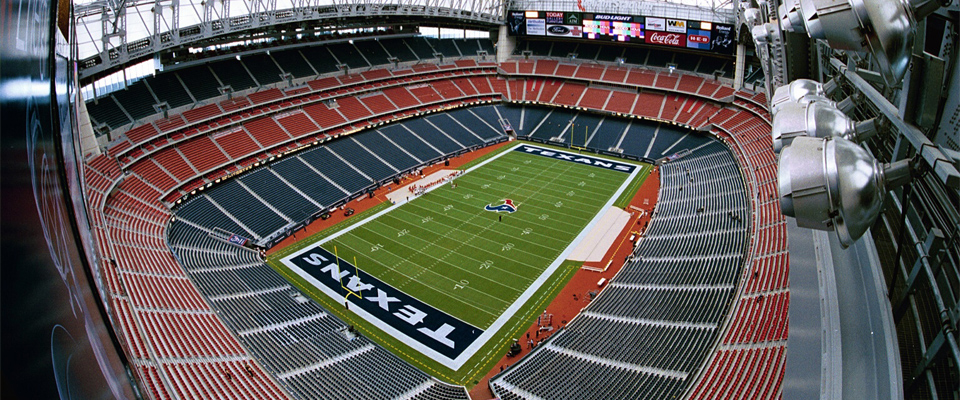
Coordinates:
[507,206]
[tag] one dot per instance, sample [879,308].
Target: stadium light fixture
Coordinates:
[816,119]
[832,184]
[796,90]
[884,28]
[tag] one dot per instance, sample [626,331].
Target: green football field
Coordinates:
[446,250]
[493,271]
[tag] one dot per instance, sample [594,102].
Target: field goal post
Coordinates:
[356,276]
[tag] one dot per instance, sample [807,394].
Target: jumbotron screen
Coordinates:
[700,35]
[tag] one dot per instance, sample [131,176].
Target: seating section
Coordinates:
[292,62]
[105,110]
[639,138]
[347,54]
[755,345]
[233,73]
[172,334]
[388,151]
[362,159]
[261,203]
[446,47]
[263,68]
[167,87]
[200,82]
[680,285]
[372,51]
[266,312]
[401,135]
[654,324]
[204,79]
[137,100]
[398,48]
[660,58]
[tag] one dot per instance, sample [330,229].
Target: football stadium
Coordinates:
[485,199]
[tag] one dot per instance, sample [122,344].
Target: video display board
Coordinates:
[699,35]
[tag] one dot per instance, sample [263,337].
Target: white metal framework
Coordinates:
[112,33]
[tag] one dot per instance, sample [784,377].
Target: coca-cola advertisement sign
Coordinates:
[666,39]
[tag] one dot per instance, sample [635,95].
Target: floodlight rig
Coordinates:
[884,28]
[818,117]
[832,184]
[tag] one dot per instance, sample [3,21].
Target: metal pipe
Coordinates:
[929,153]
[896,260]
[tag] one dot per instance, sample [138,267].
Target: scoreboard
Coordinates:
[700,35]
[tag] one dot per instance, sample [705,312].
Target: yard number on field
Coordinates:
[463,283]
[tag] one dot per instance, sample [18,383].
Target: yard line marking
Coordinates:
[532,201]
[475,247]
[491,312]
[387,237]
[473,237]
[547,227]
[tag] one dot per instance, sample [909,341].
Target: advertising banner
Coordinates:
[554,17]
[612,17]
[676,26]
[536,27]
[656,24]
[565,30]
[667,39]
[516,23]
[698,39]
[692,34]
[724,38]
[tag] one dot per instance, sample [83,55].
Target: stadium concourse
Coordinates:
[202,317]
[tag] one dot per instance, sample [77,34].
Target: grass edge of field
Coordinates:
[587,153]
[634,186]
[507,147]
[476,366]
[310,240]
